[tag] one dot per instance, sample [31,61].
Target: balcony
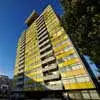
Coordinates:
[21,62]
[22,47]
[20,77]
[46,47]
[47,68]
[47,41]
[51,77]
[41,31]
[21,59]
[21,67]
[39,19]
[48,60]
[42,27]
[55,87]
[22,51]
[43,38]
[21,71]
[46,53]
[44,33]
[22,55]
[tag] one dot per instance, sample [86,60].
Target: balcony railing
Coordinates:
[48,60]
[21,68]
[46,53]
[41,31]
[52,66]
[46,47]
[51,77]
[55,87]
[39,19]
[42,27]
[45,32]
[46,36]
[44,43]
[40,24]
[21,62]
[21,71]
[19,77]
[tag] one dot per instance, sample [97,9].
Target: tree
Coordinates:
[81,20]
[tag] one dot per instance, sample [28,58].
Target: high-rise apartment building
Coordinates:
[47,59]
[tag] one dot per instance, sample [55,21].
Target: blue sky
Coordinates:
[12,16]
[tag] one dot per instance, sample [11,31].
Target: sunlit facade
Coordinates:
[46,58]
[20,64]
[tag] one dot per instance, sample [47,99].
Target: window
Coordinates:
[72,80]
[82,79]
[73,55]
[76,66]
[66,68]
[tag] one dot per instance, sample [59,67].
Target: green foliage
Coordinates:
[81,20]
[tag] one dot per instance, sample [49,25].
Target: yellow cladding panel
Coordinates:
[59,40]
[69,62]
[65,54]
[28,61]
[60,34]
[33,79]
[34,73]
[82,85]
[62,46]
[38,79]
[50,28]
[31,67]
[71,73]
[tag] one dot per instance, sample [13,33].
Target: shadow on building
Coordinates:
[27,88]
[30,89]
